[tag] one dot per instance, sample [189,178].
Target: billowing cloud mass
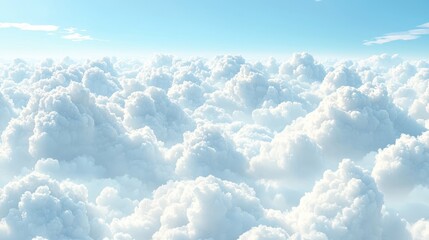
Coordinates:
[223,148]
[204,208]
[206,151]
[402,166]
[344,204]
[38,206]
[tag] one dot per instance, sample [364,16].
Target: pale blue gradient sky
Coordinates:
[269,27]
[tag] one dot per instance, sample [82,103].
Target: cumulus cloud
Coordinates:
[225,148]
[18,71]
[303,67]
[344,204]
[188,94]
[225,67]
[96,80]
[38,207]
[349,123]
[207,151]
[154,109]
[411,92]
[249,85]
[279,116]
[294,157]
[359,120]
[67,124]
[262,232]
[204,208]
[340,76]
[6,112]
[404,165]
[380,63]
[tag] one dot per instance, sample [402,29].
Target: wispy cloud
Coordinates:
[70,33]
[73,35]
[77,37]
[400,36]
[29,27]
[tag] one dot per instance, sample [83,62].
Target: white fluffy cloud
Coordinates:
[349,123]
[227,148]
[359,120]
[344,204]
[404,165]
[204,208]
[303,67]
[37,206]
[294,157]
[97,81]
[18,70]
[249,86]
[412,91]
[154,109]
[6,112]
[225,67]
[187,94]
[420,230]
[279,116]
[340,76]
[67,124]
[262,232]
[207,151]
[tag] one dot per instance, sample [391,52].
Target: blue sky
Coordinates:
[350,28]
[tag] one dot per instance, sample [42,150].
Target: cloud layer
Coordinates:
[225,148]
